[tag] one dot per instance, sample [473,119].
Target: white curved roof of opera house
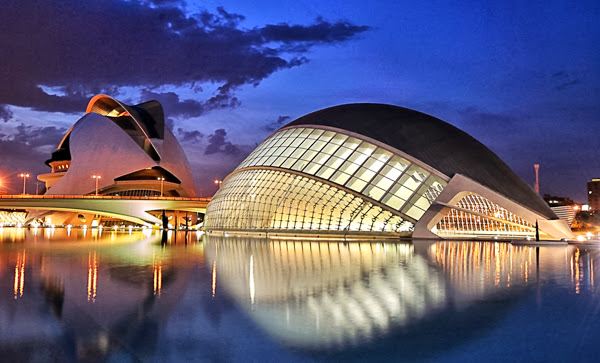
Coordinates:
[128,146]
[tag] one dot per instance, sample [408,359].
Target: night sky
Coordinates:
[522,77]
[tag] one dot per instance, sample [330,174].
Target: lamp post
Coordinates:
[24,176]
[97,178]
[162,182]
[218,182]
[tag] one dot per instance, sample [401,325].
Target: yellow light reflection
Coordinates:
[19,282]
[92,285]
[157,267]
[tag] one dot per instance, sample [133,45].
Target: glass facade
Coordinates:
[358,165]
[278,200]
[460,221]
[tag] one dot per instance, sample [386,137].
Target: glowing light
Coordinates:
[92,285]
[157,277]
[580,238]
[214,278]
[24,176]
[96,179]
[19,282]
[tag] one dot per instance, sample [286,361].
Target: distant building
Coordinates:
[565,208]
[368,169]
[554,201]
[593,188]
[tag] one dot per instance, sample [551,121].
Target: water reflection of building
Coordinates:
[104,298]
[321,295]
[327,294]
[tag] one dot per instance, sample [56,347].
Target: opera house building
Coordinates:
[118,150]
[373,169]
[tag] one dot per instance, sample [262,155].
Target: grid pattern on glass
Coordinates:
[269,199]
[461,222]
[356,164]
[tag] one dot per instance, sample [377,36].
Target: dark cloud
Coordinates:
[189,136]
[272,126]
[563,80]
[38,136]
[564,85]
[173,105]
[320,32]
[5,113]
[56,54]
[217,144]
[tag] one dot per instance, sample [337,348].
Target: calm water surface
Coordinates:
[74,295]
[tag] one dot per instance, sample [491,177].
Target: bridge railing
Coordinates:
[33,196]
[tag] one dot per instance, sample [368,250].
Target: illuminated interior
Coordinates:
[476,216]
[366,168]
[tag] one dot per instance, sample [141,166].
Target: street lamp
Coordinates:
[24,176]
[162,182]
[218,182]
[97,178]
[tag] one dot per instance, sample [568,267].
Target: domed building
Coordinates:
[373,169]
[127,150]
[117,150]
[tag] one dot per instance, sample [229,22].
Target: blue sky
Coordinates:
[521,77]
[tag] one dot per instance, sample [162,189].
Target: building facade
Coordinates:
[593,188]
[117,149]
[378,169]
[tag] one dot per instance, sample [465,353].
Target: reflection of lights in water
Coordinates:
[252,279]
[214,278]
[157,267]
[324,294]
[146,232]
[92,284]
[19,275]
[575,266]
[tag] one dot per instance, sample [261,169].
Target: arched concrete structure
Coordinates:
[129,209]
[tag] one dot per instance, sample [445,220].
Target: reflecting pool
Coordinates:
[130,295]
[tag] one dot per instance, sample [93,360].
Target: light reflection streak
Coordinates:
[19,282]
[214,278]
[252,280]
[157,269]
[577,274]
[92,284]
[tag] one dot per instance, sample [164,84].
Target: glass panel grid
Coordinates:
[267,199]
[352,163]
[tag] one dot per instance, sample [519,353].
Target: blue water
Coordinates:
[66,295]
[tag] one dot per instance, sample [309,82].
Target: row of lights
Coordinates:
[96,178]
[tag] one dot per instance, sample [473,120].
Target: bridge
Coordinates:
[133,209]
